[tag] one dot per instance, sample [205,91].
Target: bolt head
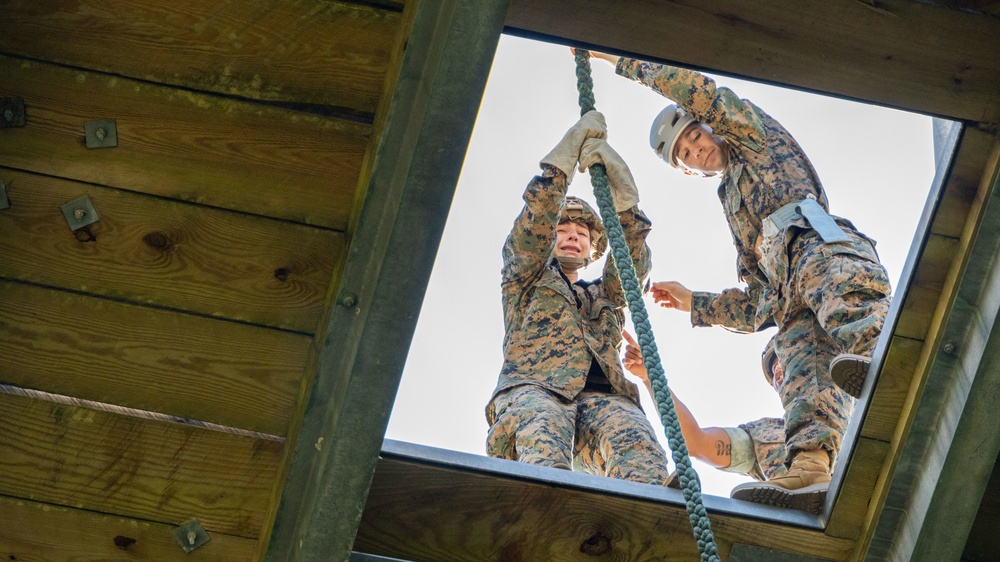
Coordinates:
[8,115]
[101,133]
[948,348]
[78,214]
[348,301]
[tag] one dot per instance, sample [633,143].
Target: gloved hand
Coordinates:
[623,190]
[565,154]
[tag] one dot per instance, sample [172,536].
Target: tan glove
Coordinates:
[565,154]
[623,190]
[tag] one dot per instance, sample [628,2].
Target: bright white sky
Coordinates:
[876,165]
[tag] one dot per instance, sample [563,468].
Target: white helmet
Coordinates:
[666,129]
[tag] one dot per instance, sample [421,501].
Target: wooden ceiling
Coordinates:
[254,271]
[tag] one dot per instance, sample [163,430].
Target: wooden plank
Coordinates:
[314,51]
[378,128]
[963,183]
[188,366]
[911,55]
[39,532]
[855,491]
[927,279]
[444,71]
[184,145]
[893,388]
[888,524]
[143,469]
[420,509]
[167,253]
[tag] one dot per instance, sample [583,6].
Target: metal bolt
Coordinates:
[192,536]
[348,300]
[8,115]
[948,348]
[79,213]
[100,133]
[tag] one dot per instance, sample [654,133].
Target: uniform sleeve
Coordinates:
[529,245]
[718,107]
[636,226]
[733,309]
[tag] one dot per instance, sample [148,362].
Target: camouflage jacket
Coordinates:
[767,169]
[554,328]
[768,437]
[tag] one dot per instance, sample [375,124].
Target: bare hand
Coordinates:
[613,59]
[671,294]
[633,358]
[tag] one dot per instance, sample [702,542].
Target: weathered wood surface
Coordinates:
[184,145]
[135,468]
[856,490]
[189,366]
[310,51]
[167,253]
[911,55]
[40,532]
[893,389]
[422,512]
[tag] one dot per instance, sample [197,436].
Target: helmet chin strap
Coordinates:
[572,264]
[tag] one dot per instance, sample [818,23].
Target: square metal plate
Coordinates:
[191,535]
[102,133]
[80,213]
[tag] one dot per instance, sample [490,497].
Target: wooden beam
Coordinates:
[184,145]
[323,52]
[946,456]
[904,54]
[432,504]
[168,253]
[899,352]
[161,361]
[137,468]
[40,531]
[443,74]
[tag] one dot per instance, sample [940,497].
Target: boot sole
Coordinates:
[850,375]
[810,498]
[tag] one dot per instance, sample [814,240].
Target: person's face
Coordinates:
[698,150]
[572,240]
[778,376]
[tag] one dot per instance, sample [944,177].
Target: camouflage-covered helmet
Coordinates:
[767,359]
[578,210]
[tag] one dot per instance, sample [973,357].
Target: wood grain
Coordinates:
[904,54]
[893,388]
[856,488]
[167,253]
[184,145]
[135,468]
[309,51]
[427,513]
[40,532]
[188,366]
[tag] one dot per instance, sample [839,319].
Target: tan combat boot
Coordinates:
[803,487]
[849,372]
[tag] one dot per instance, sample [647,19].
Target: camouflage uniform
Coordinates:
[556,333]
[826,298]
[767,439]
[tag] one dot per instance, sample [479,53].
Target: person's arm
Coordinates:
[529,245]
[710,445]
[733,309]
[717,107]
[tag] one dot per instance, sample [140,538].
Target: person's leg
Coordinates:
[816,415]
[532,425]
[848,291]
[614,438]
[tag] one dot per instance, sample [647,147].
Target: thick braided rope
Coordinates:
[644,334]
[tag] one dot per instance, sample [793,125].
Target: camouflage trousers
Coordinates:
[597,432]
[837,297]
